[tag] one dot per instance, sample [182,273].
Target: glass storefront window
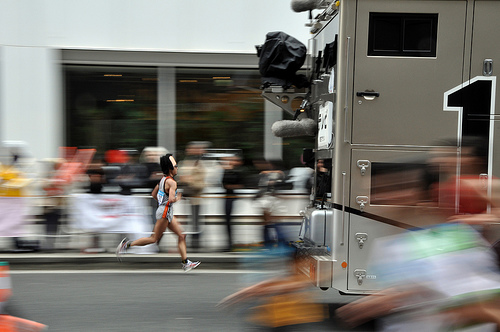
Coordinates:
[111,107]
[222,106]
[116,107]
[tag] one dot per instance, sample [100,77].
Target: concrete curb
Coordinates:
[33,261]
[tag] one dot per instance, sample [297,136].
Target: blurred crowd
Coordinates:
[131,173]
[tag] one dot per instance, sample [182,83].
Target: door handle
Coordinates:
[371,94]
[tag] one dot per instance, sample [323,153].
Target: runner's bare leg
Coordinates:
[160,227]
[175,227]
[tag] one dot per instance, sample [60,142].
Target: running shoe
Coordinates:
[190,265]
[121,249]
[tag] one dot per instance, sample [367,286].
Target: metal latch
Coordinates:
[362,201]
[363,165]
[361,238]
[360,274]
[488,67]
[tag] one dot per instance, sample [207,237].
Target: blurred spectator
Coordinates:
[132,174]
[477,195]
[14,184]
[283,300]
[300,179]
[150,157]
[460,177]
[192,172]
[54,202]
[233,179]
[323,179]
[97,178]
[116,157]
[270,178]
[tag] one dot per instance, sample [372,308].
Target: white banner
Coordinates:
[12,215]
[111,213]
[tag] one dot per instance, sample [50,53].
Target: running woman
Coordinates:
[165,193]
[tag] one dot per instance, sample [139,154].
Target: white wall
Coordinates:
[32,33]
[31,98]
[166,25]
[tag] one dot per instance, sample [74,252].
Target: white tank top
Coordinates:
[162,196]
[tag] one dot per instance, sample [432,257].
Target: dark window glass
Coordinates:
[225,106]
[386,34]
[111,107]
[402,34]
[116,107]
[397,184]
[418,35]
[222,106]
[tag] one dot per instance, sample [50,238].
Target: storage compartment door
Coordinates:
[407,54]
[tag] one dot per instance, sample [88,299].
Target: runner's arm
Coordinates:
[172,197]
[154,193]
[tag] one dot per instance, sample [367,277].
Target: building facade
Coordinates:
[62,62]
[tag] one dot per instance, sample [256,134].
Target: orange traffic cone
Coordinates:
[5,285]
[9,323]
[14,324]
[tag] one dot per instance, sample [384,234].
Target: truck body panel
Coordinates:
[408,76]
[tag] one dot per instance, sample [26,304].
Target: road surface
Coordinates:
[149,300]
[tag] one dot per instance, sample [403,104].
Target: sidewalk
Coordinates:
[85,261]
[77,251]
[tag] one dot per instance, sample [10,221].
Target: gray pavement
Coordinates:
[147,301]
[77,260]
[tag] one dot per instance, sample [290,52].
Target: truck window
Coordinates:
[397,184]
[402,34]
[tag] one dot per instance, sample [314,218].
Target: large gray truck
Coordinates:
[389,80]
